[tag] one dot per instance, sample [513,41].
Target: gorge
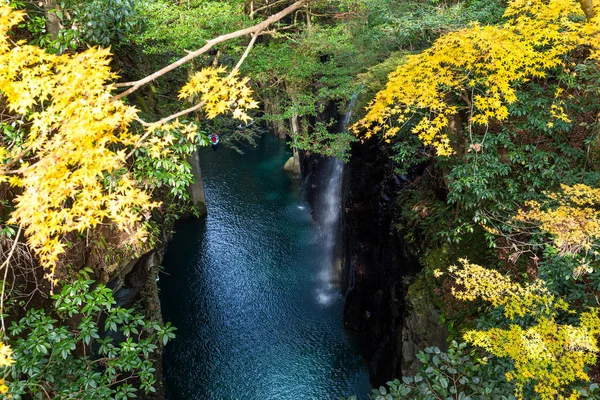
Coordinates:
[253,289]
[454,255]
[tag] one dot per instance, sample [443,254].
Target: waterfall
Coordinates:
[329,200]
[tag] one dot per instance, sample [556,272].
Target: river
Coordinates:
[257,308]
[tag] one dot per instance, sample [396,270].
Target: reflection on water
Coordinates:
[258,311]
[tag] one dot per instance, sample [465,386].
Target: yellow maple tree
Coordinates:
[477,70]
[569,215]
[71,167]
[548,354]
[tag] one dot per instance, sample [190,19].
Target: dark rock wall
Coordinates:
[421,326]
[136,283]
[377,262]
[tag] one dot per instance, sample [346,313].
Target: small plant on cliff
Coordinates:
[87,348]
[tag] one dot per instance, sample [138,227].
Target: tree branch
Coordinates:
[162,122]
[241,61]
[5,265]
[17,158]
[264,7]
[209,44]
[193,108]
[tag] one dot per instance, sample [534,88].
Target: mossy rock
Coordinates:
[457,316]
[292,165]
[422,325]
[473,247]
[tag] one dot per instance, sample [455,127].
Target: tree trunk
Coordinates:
[293,164]
[196,189]
[458,140]
[588,8]
[295,127]
[52,21]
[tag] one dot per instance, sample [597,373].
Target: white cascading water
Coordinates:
[329,201]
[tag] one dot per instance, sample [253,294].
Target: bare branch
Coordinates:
[16,159]
[209,44]
[191,109]
[5,266]
[162,122]
[264,7]
[124,84]
[241,61]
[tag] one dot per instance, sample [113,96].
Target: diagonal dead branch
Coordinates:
[5,265]
[241,61]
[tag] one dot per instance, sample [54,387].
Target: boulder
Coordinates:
[292,165]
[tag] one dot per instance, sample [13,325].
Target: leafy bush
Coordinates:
[451,375]
[87,348]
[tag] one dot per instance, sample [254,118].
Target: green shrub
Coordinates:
[87,348]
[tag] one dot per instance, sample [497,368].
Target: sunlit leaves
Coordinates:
[73,182]
[72,165]
[547,354]
[221,93]
[475,282]
[570,216]
[176,27]
[478,70]
[8,19]
[6,355]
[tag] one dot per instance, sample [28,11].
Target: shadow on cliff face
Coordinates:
[378,264]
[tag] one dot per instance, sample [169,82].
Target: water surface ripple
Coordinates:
[245,290]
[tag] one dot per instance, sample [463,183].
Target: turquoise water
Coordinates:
[257,311]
